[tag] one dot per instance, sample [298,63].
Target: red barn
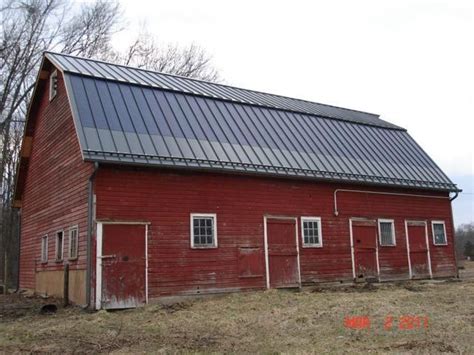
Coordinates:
[150,185]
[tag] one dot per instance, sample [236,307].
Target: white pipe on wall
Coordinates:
[336,211]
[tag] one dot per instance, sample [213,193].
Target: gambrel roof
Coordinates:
[127,115]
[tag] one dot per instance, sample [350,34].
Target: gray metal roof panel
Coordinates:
[124,123]
[120,73]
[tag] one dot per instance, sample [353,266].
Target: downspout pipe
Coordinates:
[456,194]
[90,227]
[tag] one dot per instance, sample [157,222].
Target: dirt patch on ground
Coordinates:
[175,307]
[440,315]
[15,306]
[413,345]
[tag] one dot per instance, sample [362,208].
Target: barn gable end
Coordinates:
[52,192]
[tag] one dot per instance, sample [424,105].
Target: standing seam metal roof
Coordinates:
[132,116]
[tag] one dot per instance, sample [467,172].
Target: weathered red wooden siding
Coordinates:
[55,190]
[166,198]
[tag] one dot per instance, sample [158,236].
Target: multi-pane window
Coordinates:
[311,231]
[59,245]
[53,85]
[203,231]
[387,232]
[73,242]
[439,233]
[44,249]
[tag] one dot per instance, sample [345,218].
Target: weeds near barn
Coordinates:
[271,321]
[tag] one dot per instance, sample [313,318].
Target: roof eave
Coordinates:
[195,166]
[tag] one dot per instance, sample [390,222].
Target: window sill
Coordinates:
[309,246]
[58,261]
[203,248]
[72,259]
[440,245]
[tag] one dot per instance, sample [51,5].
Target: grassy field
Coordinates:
[314,320]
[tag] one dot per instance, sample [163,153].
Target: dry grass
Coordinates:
[271,321]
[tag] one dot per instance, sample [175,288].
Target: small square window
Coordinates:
[73,242]
[203,231]
[59,245]
[44,249]
[439,233]
[53,85]
[311,232]
[387,232]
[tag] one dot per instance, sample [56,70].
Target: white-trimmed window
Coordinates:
[311,232]
[44,249]
[73,242]
[53,85]
[59,245]
[203,230]
[387,232]
[439,233]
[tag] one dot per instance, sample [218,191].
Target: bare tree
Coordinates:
[10,216]
[26,33]
[146,52]
[464,235]
[89,32]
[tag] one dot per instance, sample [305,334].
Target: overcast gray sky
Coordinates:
[411,61]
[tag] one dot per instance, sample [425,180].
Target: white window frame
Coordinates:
[62,246]
[44,248]
[191,226]
[394,236]
[320,232]
[71,229]
[53,80]
[444,230]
